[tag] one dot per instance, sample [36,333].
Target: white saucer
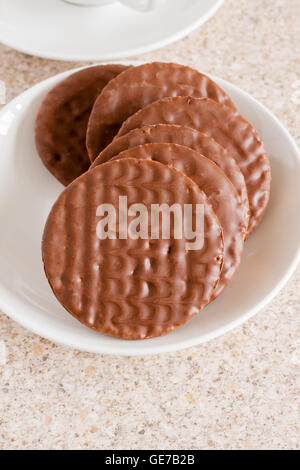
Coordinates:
[28,190]
[57,30]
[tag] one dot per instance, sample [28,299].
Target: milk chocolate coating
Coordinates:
[62,119]
[232,214]
[164,133]
[136,88]
[130,289]
[229,129]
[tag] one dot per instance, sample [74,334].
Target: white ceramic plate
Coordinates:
[58,30]
[28,190]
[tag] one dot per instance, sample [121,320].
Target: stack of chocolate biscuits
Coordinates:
[156,134]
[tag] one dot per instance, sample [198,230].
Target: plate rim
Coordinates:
[182,33]
[188,343]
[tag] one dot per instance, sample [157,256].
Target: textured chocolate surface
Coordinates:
[232,214]
[229,129]
[136,88]
[164,133]
[130,289]
[62,121]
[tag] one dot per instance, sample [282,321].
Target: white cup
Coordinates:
[140,5]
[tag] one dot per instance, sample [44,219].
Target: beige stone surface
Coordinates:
[240,391]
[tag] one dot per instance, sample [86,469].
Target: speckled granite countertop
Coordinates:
[240,391]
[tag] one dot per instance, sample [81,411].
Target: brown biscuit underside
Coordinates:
[232,214]
[131,289]
[62,121]
[136,88]
[229,129]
